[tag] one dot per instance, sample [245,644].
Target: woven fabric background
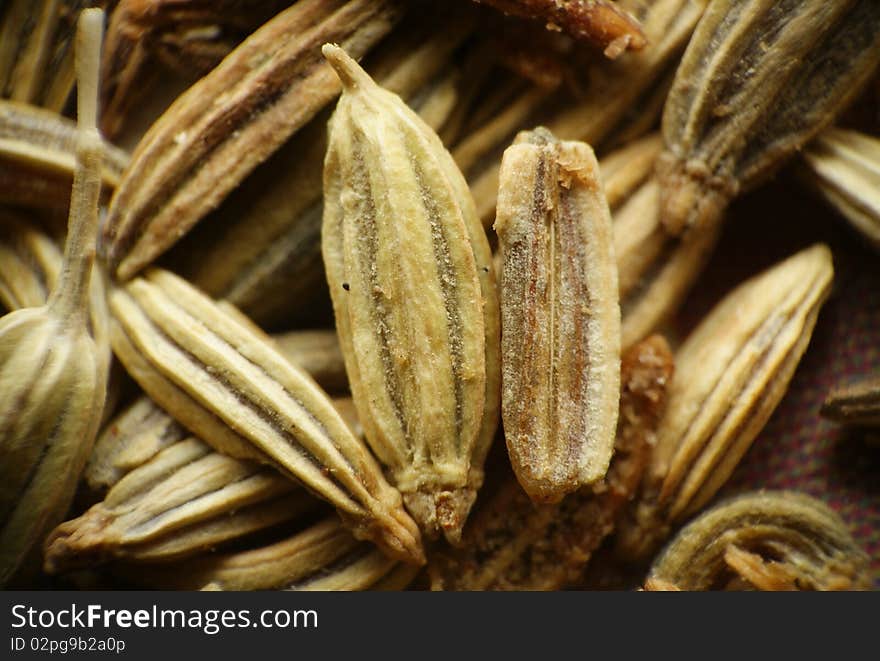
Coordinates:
[798,449]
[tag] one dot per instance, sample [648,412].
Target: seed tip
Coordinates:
[349,71]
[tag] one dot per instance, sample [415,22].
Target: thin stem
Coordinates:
[70,297]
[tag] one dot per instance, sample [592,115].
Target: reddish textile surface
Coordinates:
[798,449]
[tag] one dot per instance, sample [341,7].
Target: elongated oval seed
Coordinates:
[744,353]
[560,317]
[758,80]
[185,500]
[770,540]
[231,388]
[230,121]
[410,274]
[731,372]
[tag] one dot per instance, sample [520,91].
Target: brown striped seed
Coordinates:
[189,37]
[759,79]
[560,317]
[229,122]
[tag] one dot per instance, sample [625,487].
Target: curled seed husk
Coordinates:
[843,166]
[612,89]
[38,157]
[655,270]
[759,79]
[765,540]
[731,372]
[560,317]
[601,23]
[262,247]
[410,274]
[322,556]
[230,387]
[512,544]
[189,37]
[229,122]
[186,499]
[854,403]
[53,372]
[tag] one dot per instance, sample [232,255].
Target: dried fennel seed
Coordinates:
[186,499]
[190,38]
[230,387]
[410,273]
[854,403]
[261,249]
[759,79]
[766,540]
[612,90]
[143,429]
[512,544]
[655,270]
[560,317]
[599,22]
[844,167]
[38,158]
[322,556]
[129,440]
[52,371]
[229,122]
[731,372]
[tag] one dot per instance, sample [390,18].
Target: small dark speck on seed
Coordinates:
[346,286]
